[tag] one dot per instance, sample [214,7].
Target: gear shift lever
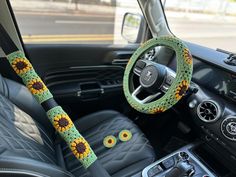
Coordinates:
[182,168]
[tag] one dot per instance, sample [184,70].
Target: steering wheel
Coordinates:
[156,79]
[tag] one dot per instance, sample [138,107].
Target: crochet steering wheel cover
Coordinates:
[179,86]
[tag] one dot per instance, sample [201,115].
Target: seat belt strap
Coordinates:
[6,42]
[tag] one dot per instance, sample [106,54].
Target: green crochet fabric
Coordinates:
[60,120]
[182,80]
[17,61]
[109,141]
[71,135]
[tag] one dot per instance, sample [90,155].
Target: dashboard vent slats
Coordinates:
[208,111]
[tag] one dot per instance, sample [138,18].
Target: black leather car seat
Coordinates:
[30,147]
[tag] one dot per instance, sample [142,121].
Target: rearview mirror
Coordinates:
[132,27]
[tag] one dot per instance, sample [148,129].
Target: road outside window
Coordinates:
[211,23]
[72,21]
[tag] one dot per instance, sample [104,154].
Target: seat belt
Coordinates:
[6,42]
[57,116]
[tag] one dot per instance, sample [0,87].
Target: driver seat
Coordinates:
[29,146]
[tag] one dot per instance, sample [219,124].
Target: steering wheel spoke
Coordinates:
[137,91]
[147,99]
[150,97]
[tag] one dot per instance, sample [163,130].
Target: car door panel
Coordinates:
[83,78]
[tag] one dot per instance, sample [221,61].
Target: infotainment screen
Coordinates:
[212,78]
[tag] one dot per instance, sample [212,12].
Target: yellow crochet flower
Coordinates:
[181,90]
[80,148]
[36,86]
[125,135]
[109,141]
[21,65]
[62,122]
[187,56]
[157,110]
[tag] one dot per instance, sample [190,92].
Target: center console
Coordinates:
[181,163]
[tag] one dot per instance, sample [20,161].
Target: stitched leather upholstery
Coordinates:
[26,144]
[125,158]
[27,140]
[23,136]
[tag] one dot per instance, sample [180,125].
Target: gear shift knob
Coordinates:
[182,168]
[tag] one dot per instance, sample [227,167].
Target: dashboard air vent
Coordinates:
[208,111]
[149,55]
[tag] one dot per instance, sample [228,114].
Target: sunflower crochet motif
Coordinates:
[181,89]
[36,86]
[187,56]
[21,65]
[125,135]
[157,110]
[62,122]
[109,141]
[80,148]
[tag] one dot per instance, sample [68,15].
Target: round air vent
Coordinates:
[149,55]
[228,128]
[208,111]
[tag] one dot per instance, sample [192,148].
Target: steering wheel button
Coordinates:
[164,88]
[169,80]
[137,71]
[192,104]
[140,64]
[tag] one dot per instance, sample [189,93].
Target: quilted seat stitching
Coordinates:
[113,125]
[33,127]
[23,144]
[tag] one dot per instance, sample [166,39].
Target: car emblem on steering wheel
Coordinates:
[148,76]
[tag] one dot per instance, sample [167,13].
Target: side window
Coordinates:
[72,21]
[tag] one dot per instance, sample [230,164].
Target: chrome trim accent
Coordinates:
[137,72]
[215,104]
[221,128]
[118,61]
[89,67]
[185,149]
[145,100]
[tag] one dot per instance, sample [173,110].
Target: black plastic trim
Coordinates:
[16,25]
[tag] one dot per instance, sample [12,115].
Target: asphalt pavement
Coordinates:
[55,27]
[98,28]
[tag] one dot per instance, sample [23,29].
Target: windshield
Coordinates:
[211,23]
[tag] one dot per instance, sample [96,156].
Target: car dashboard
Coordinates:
[212,108]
